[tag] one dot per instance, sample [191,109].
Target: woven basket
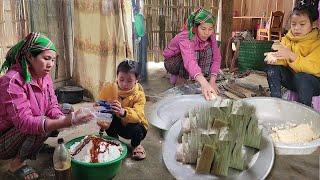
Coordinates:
[251,54]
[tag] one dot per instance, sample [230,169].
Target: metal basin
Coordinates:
[274,112]
[167,111]
[259,162]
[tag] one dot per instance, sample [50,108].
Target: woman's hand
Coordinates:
[207,90]
[117,108]
[213,84]
[81,116]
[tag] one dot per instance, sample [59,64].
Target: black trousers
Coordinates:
[306,85]
[134,131]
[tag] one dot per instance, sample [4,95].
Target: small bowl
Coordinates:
[103,119]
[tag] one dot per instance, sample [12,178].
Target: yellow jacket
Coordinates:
[308,50]
[133,101]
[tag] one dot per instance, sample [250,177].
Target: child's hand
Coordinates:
[286,53]
[271,58]
[277,45]
[116,107]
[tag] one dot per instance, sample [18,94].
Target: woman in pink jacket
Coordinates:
[194,53]
[29,110]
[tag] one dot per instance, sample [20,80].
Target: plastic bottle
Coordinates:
[62,161]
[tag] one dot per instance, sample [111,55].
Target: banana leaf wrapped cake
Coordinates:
[213,136]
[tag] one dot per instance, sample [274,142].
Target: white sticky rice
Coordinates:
[107,151]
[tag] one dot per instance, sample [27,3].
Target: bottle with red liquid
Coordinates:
[62,161]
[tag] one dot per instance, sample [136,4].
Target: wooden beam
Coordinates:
[227,9]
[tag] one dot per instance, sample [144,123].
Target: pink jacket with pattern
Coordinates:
[181,44]
[24,105]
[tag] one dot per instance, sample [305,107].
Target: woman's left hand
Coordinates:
[213,84]
[208,92]
[117,108]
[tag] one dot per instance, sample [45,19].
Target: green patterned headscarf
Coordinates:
[34,43]
[199,16]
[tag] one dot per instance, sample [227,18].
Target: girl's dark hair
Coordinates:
[128,66]
[307,7]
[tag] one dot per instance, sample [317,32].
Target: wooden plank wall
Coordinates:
[226,32]
[165,18]
[19,17]
[48,17]
[260,8]
[13,24]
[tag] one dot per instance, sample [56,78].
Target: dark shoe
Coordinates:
[22,173]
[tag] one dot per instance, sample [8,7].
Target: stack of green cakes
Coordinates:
[214,141]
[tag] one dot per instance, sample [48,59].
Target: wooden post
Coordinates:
[227,9]
[24,23]
[293,3]
[241,9]
[68,26]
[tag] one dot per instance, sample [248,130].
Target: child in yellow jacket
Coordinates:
[296,64]
[129,120]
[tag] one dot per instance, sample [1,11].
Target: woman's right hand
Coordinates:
[81,116]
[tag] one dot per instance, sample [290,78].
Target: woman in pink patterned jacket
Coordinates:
[194,53]
[29,110]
